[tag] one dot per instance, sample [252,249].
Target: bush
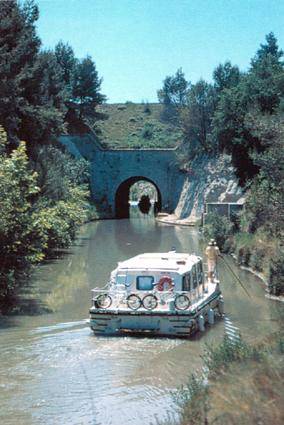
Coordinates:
[229,245]
[147,109]
[217,227]
[36,220]
[193,400]
[218,357]
[257,257]
[276,274]
[147,131]
[243,255]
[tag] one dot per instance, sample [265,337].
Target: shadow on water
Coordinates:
[35,290]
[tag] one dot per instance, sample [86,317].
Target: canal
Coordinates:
[53,370]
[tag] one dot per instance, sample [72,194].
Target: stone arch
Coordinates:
[122,196]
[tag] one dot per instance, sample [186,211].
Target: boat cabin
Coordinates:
[162,271]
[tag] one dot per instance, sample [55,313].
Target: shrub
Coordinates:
[218,357]
[257,257]
[229,245]
[276,274]
[147,131]
[35,220]
[243,255]
[147,109]
[193,400]
[217,227]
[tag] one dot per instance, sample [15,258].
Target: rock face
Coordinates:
[208,180]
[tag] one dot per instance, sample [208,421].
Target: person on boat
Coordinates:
[212,252]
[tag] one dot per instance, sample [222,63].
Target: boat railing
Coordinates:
[120,298]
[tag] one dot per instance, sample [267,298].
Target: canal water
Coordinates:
[53,370]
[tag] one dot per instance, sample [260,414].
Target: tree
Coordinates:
[67,62]
[173,95]
[31,82]
[86,88]
[264,206]
[196,116]
[226,76]
[33,220]
[43,118]
[19,46]
[260,90]
[265,81]
[270,48]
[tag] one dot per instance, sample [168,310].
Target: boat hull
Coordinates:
[160,323]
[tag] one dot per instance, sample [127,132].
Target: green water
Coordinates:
[53,370]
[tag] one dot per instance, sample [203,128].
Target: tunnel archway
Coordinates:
[122,196]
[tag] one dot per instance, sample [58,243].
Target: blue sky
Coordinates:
[136,43]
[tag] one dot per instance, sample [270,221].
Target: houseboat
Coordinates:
[163,294]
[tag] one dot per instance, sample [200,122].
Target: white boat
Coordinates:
[166,294]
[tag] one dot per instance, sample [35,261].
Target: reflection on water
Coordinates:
[54,371]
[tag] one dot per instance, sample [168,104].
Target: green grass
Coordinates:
[137,126]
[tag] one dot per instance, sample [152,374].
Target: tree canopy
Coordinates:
[86,89]
[173,95]
[37,87]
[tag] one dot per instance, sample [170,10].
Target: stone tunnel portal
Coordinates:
[122,196]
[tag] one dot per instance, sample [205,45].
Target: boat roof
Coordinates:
[165,261]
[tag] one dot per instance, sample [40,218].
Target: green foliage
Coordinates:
[35,221]
[38,88]
[269,49]
[32,96]
[60,221]
[226,76]
[173,96]
[141,188]
[205,401]
[86,88]
[57,171]
[66,60]
[219,357]
[217,227]
[276,273]
[147,108]
[19,234]
[43,119]
[193,400]
[19,46]
[266,193]
[196,117]
[147,131]
[260,90]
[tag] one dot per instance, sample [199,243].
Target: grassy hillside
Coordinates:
[131,125]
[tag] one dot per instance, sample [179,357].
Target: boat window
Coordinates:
[144,283]
[194,276]
[200,272]
[124,279]
[186,282]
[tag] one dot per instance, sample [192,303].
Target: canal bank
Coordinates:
[55,371]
